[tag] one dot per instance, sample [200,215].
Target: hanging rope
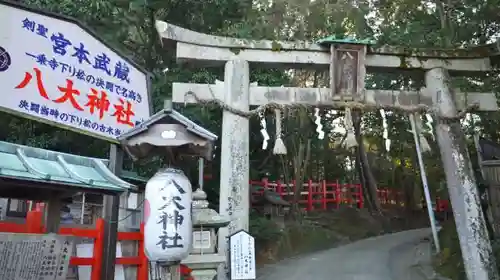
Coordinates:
[408,109]
[279,146]
[348,106]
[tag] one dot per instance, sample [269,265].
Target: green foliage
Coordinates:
[129,26]
[264,230]
[449,261]
[295,238]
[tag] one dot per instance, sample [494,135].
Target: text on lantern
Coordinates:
[171,218]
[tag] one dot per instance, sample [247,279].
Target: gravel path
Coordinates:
[389,257]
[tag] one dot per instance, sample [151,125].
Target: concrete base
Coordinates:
[208,274]
[204,266]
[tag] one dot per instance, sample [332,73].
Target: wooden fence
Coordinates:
[323,195]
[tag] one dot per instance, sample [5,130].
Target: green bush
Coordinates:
[263,230]
[296,238]
[449,262]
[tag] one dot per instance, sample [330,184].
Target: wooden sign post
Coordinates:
[242,256]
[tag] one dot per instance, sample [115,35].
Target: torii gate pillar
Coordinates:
[462,188]
[235,159]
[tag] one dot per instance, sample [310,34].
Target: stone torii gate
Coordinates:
[236,94]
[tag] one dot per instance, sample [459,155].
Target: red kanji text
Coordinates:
[123,112]
[69,94]
[98,102]
[27,78]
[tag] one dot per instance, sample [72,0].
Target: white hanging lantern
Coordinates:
[168,226]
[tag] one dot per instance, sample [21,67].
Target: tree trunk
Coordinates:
[370,184]
[409,187]
[300,165]
[362,180]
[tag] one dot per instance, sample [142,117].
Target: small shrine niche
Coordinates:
[347,67]
[347,71]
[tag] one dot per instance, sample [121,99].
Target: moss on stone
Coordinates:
[403,62]
[276,46]
[235,50]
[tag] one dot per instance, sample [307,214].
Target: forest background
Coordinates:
[129,26]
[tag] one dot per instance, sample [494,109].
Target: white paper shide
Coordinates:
[167,216]
[242,253]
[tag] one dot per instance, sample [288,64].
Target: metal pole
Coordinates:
[82,214]
[479,153]
[201,165]
[425,185]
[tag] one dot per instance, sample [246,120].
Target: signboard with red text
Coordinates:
[55,71]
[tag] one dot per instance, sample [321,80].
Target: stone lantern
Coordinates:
[347,67]
[204,258]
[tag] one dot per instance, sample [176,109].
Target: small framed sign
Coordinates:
[242,256]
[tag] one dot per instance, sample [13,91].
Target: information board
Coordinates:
[34,256]
[55,71]
[242,256]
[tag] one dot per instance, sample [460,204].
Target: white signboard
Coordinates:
[242,254]
[54,71]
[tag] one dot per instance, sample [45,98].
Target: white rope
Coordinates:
[408,109]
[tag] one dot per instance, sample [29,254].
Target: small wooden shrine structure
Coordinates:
[489,161]
[39,175]
[42,175]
